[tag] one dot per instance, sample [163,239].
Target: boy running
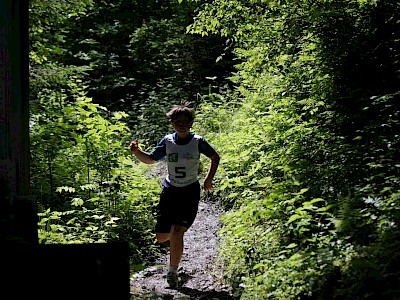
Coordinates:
[180,194]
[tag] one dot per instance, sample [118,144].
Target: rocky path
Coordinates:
[199,273]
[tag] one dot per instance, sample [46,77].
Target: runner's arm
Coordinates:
[144,157]
[211,171]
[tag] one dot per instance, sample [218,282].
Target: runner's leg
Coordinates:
[162,237]
[176,244]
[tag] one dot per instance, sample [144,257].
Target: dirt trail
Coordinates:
[199,273]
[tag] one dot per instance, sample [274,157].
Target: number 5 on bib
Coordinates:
[180,172]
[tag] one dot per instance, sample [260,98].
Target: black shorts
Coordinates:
[178,206]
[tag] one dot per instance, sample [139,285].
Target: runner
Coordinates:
[180,194]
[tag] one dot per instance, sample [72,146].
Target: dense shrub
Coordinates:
[309,146]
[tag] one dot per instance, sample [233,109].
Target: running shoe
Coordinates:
[172,279]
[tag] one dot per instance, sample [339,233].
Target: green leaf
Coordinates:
[293,218]
[326,208]
[65,189]
[302,191]
[77,202]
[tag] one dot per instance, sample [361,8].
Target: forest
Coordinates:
[300,98]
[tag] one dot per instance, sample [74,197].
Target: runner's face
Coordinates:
[182,126]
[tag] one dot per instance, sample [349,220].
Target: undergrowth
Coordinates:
[309,171]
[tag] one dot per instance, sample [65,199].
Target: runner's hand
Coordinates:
[134,146]
[208,185]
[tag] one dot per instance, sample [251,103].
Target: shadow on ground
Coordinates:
[186,294]
[197,294]
[183,293]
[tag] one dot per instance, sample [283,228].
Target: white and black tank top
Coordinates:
[182,161]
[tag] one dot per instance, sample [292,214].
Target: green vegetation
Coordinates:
[306,123]
[309,141]
[103,73]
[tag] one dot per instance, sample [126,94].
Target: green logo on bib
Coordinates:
[173,157]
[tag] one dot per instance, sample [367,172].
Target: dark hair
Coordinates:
[181,110]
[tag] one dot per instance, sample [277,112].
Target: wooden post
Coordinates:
[17,214]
